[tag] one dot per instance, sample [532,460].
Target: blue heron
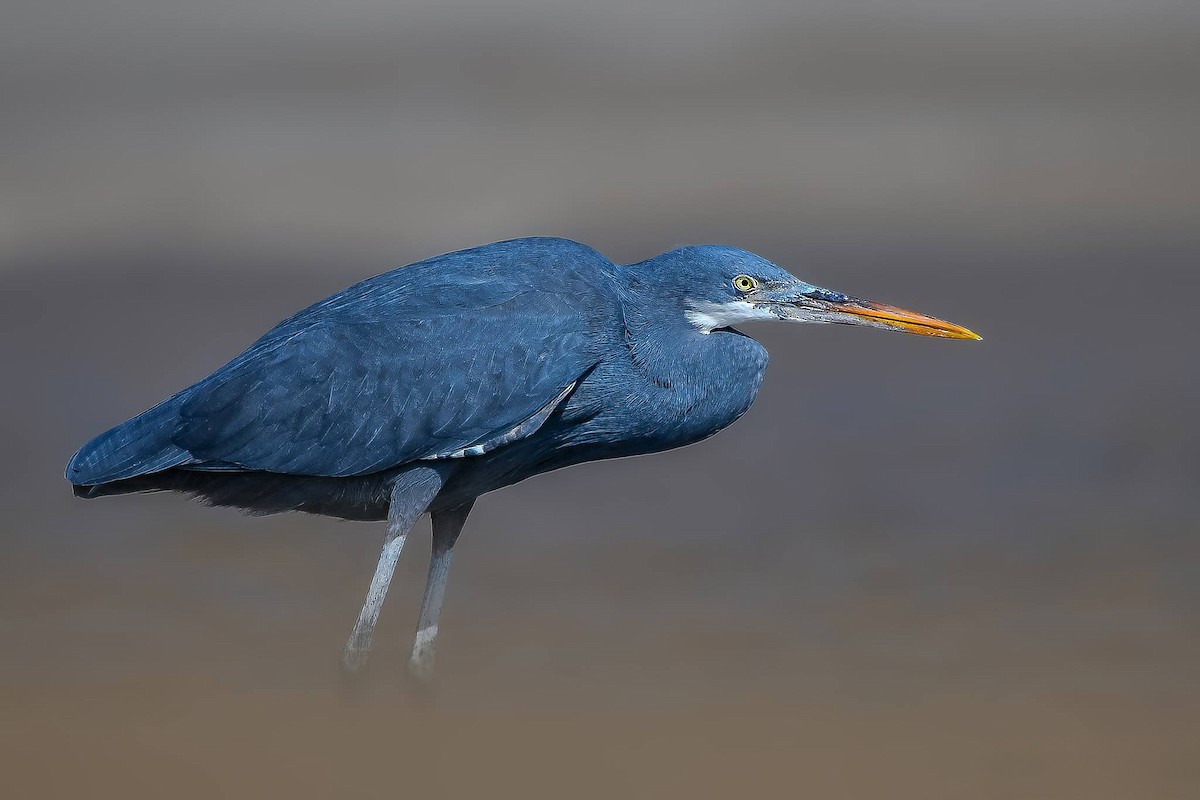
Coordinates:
[421,389]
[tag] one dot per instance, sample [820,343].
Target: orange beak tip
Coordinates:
[909,321]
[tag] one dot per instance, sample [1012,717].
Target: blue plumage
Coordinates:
[427,386]
[416,363]
[453,357]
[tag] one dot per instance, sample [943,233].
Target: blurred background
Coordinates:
[973,575]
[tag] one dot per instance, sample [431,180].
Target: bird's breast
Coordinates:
[648,407]
[715,393]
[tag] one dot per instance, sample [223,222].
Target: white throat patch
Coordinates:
[707,317]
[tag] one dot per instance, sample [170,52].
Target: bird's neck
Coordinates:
[664,343]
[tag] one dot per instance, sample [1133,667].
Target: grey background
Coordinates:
[920,568]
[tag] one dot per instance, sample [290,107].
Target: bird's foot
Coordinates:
[421,670]
[354,660]
[420,665]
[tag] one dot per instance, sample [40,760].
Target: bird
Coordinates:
[420,389]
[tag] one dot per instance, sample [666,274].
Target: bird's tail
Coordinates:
[140,446]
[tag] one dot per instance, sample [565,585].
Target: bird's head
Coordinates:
[724,286]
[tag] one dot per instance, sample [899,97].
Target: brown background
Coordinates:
[916,569]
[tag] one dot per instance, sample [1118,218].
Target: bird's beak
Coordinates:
[821,305]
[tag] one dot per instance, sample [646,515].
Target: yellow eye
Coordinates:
[744,283]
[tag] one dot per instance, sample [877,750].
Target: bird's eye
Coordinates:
[744,283]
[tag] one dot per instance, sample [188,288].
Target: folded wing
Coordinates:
[349,399]
[445,358]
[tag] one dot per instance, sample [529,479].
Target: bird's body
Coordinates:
[409,367]
[425,387]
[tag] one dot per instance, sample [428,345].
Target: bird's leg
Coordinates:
[446,527]
[358,646]
[411,495]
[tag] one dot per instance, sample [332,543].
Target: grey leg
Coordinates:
[411,495]
[446,527]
